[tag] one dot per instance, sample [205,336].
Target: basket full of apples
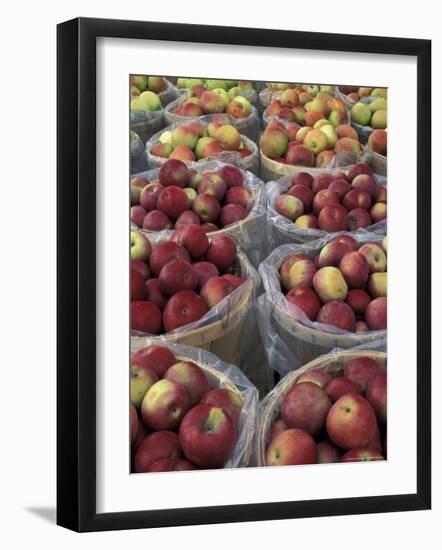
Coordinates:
[195,87]
[286,148]
[159,85]
[304,207]
[325,294]
[370,113]
[208,138]
[191,289]
[222,198]
[189,410]
[239,111]
[146,114]
[353,94]
[334,409]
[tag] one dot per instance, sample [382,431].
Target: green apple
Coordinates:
[213,84]
[137,104]
[166,137]
[141,379]
[151,101]
[379,92]
[361,114]
[378,104]
[330,133]
[140,247]
[221,92]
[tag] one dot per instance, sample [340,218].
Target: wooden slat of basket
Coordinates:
[332,364]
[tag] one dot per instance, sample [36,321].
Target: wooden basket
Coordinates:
[378,162]
[222,337]
[332,364]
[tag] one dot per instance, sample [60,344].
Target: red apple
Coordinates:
[376,314]
[327,452]
[302,178]
[305,407]
[174,172]
[316,376]
[221,252]
[187,218]
[145,317]
[158,358]
[362,370]
[156,446]
[338,314]
[227,400]
[354,268]
[359,168]
[332,253]
[361,454]
[304,194]
[291,447]
[141,267]
[171,465]
[323,198]
[205,271]
[164,253]
[356,198]
[133,423]
[367,183]
[149,196]
[215,290]
[376,395]
[232,213]
[321,182]
[359,218]
[194,238]
[278,427]
[306,299]
[154,293]
[358,300]
[164,405]
[186,306]
[207,207]
[173,201]
[341,386]
[137,215]
[137,290]
[207,436]
[191,377]
[238,195]
[177,275]
[155,220]
[232,176]
[333,218]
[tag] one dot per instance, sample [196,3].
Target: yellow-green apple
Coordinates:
[378,211]
[375,256]
[140,81]
[345,130]
[302,178]
[376,314]
[137,291]
[222,93]
[133,423]
[192,237]
[358,300]
[337,117]
[333,217]
[286,265]
[340,386]
[340,186]
[316,376]
[173,201]
[378,104]
[140,247]
[201,145]
[145,317]
[377,284]
[336,104]
[361,114]
[221,252]
[186,306]
[330,134]
[305,407]
[232,176]
[166,137]
[318,105]
[351,422]
[364,92]
[307,221]
[177,275]
[171,465]
[302,132]
[354,268]
[289,98]
[191,193]
[273,108]
[213,127]
[316,141]
[207,436]
[150,100]
[306,300]
[207,207]
[359,168]
[327,453]
[205,271]
[164,405]
[154,294]
[238,195]
[232,213]
[163,150]
[300,155]
[379,92]
[155,220]
[237,109]
[357,198]
[156,446]
[289,206]
[377,142]
[338,314]
[273,143]
[137,214]
[362,370]
[304,98]
[367,183]
[376,395]
[324,159]
[141,379]
[136,104]
[174,172]
[385,244]
[291,447]
[137,184]
[278,427]
[361,454]
[183,135]
[215,290]
[191,377]
[163,253]
[379,120]
[157,358]
[229,137]
[182,152]
[227,400]
[359,218]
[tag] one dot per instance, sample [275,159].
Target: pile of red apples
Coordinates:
[177,422]
[326,420]
[334,201]
[182,196]
[194,140]
[177,281]
[344,285]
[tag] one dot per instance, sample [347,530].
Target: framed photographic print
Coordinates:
[223,352]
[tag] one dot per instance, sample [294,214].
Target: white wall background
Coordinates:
[27,273]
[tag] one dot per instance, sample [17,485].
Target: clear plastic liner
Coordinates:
[248,233]
[290,338]
[248,126]
[281,230]
[222,375]
[146,124]
[169,94]
[250,163]
[138,159]
[364,131]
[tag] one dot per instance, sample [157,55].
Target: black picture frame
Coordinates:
[76,274]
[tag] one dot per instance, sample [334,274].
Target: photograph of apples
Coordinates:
[258,273]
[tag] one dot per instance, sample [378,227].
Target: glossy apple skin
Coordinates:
[215,290]
[191,377]
[340,386]
[183,308]
[174,172]
[154,447]
[291,447]
[221,252]
[351,422]
[164,253]
[145,317]
[358,300]
[207,436]
[157,358]
[177,275]
[141,379]
[155,220]
[137,289]
[230,402]
[305,407]
[333,218]
[354,268]
[376,395]
[362,370]
[193,238]
[232,176]
[173,201]
[154,293]
[205,271]
[306,300]
[164,405]
[376,314]
[337,313]
[330,284]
